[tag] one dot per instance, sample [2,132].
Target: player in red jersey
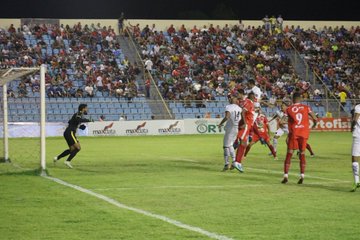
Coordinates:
[245,126]
[298,120]
[260,131]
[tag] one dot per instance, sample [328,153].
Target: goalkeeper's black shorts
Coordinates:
[70,137]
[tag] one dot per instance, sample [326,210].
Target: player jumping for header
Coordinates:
[260,131]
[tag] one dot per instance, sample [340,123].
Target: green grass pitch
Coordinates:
[179,177]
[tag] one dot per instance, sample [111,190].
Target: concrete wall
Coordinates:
[164,24]
[6,22]
[103,22]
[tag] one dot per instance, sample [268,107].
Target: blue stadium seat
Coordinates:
[211,104]
[188,110]
[188,115]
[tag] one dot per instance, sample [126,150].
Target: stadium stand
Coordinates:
[194,69]
[83,62]
[333,54]
[200,66]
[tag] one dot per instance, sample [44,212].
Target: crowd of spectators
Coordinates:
[203,62]
[81,60]
[198,63]
[334,54]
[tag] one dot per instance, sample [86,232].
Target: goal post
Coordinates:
[7,76]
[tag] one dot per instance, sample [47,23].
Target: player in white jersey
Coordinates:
[355,128]
[283,124]
[232,118]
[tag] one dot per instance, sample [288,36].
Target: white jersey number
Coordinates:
[299,118]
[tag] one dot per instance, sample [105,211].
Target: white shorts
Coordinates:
[230,136]
[281,132]
[355,147]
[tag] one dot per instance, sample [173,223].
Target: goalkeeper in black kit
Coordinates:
[70,135]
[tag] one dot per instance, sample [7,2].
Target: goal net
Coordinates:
[22,119]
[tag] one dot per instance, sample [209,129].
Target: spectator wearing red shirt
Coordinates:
[171,30]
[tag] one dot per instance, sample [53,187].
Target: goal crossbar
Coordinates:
[8,75]
[15,73]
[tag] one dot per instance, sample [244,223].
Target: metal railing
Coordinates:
[322,106]
[158,96]
[333,104]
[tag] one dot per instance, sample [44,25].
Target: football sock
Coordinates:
[226,155]
[308,147]
[240,153]
[72,155]
[275,142]
[355,167]
[302,163]
[287,163]
[272,150]
[247,150]
[232,153]
[64,154]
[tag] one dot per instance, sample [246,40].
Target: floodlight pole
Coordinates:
[5,129]
[42,118]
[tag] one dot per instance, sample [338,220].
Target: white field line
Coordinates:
[205,186]
[180,159]
[140,211]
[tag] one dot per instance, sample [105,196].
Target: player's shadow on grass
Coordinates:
[176,167]
[327,187]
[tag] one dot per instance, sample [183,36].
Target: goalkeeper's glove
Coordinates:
[82,127]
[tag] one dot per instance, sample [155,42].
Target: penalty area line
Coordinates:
[140,211]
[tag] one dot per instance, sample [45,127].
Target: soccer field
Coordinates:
[179,178]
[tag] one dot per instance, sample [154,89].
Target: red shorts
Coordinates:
[264,136]
[244,133]
[296,142]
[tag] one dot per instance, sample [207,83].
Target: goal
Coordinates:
[26,115]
